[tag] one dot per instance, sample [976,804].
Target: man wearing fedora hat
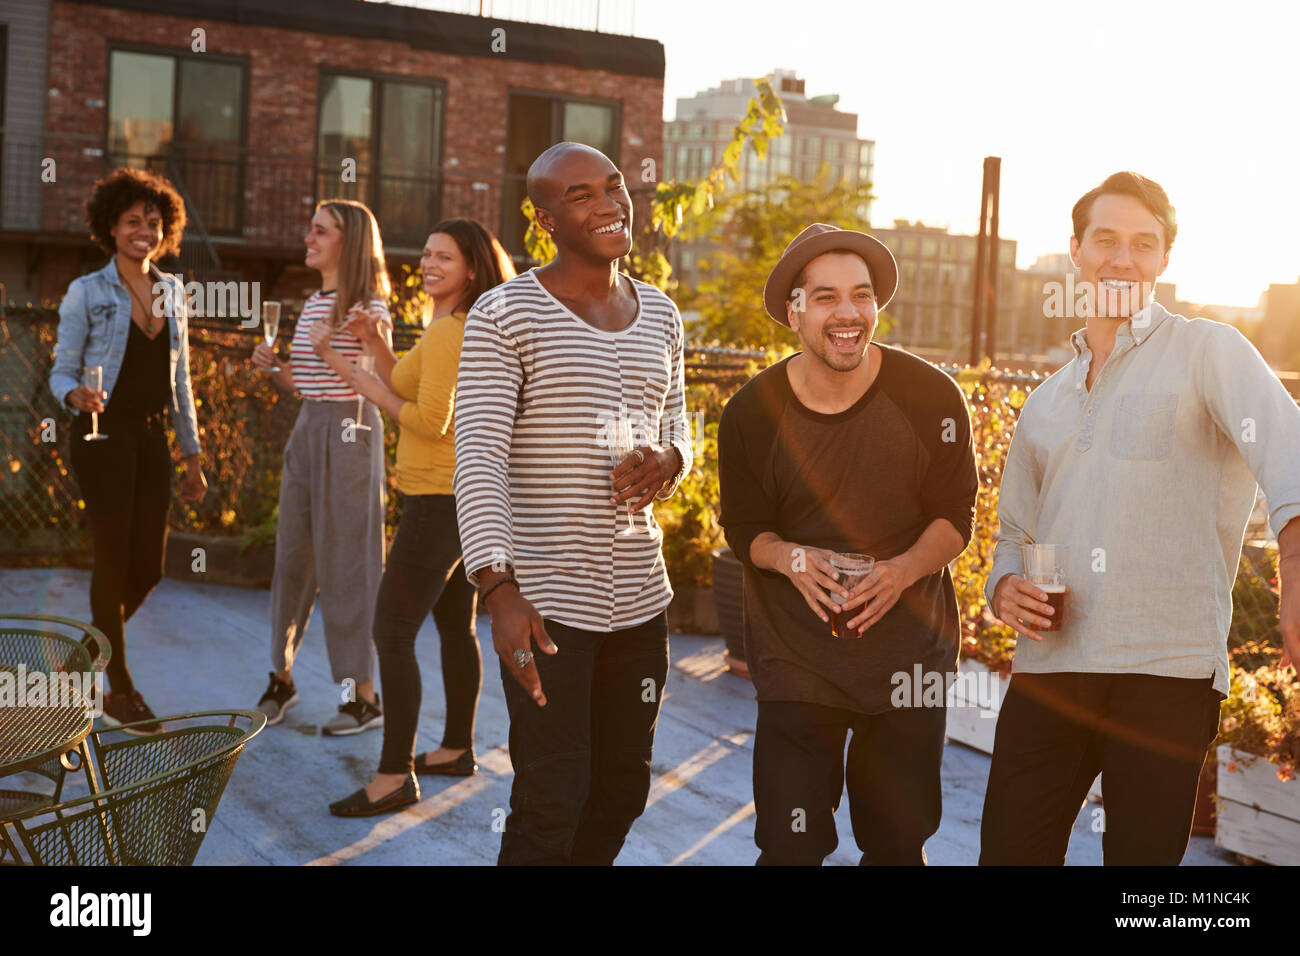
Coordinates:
[848,446]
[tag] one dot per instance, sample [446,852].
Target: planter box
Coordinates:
[1258,814]
[729,599]
[692,611]
[973,705]
[222,560]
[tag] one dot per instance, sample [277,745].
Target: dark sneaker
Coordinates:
[129,708]
[355,717]
[277,698]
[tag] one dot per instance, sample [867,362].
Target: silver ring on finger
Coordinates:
[640,456]
[523,658]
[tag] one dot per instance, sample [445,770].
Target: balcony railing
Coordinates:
[240,197]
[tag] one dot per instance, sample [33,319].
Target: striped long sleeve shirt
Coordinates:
[536,393]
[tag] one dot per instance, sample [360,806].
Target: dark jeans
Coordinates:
[895,799]
[423,572]
[582,762]
[125,481]
[1146,735]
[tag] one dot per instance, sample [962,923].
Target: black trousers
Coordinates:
[423,572]
[125,482]
[895,799]
[1146,735]
[582,762]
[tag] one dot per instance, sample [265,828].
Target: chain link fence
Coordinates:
[245,422]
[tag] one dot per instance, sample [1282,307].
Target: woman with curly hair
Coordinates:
[461,261]
[128,319]
[329,539]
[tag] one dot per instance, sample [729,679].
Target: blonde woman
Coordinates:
[330,537]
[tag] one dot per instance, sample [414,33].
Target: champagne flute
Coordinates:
[271,327]
[621,445]
[365,363]
[93,378]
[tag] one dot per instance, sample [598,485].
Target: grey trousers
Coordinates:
[330,538]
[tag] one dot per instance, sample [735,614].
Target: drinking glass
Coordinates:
[1045,569]
[93,378]
[622,444]
[271,327]
[367,364]
[851,568]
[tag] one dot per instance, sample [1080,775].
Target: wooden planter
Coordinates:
[973,718]
[729,598]
[1258,814]
[692,611]
[973,712]
[223,560]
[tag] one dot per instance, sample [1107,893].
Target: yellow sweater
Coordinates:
[426,378]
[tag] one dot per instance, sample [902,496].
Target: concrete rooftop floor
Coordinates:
[205,647]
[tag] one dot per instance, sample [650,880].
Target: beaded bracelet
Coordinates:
[483,595]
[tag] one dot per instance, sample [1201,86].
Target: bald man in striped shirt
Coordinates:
[552,362]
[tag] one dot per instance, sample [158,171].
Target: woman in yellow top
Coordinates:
[461,261]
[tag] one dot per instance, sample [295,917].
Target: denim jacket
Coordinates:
[94,322]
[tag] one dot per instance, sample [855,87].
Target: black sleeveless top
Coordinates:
[142,387]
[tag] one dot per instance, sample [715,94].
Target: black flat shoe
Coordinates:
[462,766]
[358,806]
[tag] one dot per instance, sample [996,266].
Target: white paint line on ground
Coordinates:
[713,834]
[399,823]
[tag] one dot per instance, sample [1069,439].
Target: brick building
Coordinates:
[256,112]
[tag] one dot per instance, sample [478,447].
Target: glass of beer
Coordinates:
[1045,569]
[851,568]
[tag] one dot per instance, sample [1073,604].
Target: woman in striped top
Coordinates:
[330,533]
[460,262]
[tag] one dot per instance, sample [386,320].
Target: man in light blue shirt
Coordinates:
[1141,456]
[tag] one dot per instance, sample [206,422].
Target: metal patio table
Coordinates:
[46,736]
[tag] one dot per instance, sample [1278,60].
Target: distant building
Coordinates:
[816,133]
[416,112]
[936,289]
[1279,329]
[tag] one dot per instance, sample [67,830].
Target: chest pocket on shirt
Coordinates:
[654,395]
[102,315]
[1144,426]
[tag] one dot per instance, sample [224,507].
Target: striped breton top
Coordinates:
[311,375]
[536,391]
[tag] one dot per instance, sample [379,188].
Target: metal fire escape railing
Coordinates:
[198,256]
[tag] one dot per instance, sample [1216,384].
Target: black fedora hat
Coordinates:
[817,239]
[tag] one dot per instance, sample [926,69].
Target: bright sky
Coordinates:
[1201,97]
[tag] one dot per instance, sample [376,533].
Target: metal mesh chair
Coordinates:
[40,642]
[161,793]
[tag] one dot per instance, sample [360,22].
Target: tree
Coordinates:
[751,230]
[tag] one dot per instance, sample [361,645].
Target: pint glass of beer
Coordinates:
[1045,569]
[851,568]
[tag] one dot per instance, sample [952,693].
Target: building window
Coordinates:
[537,121]
[392,131]
[182,117]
